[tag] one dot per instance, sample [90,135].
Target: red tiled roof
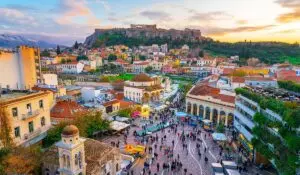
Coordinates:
[142,63]
[66,109]
[238,80]
[141,78]
[227,71]
[285,73]
[257,78]
[205,90]
[125,104]
[112,102]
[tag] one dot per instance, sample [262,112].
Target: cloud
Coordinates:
[15,17]
[209,16]
[21,7]
[68,10]
[156,15]
[291,16]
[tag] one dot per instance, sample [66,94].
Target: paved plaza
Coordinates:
[167,146]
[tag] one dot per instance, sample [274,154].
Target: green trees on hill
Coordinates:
[267,52]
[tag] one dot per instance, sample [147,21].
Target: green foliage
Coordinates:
[87,124]
[201,53]
[54,134]
[289,85]
[148,69]
[123,77]
[142,57]
[45,53]
[125,112]
[220,128]
[63,61]
[267,52]
[82,57]
[185,87]
[58,50]
[112,57]
[76,45]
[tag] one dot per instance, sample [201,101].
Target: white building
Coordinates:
[157,65]
[260,82]
[142,88]
[139,67]
[50,79]
[70,68]
[88,94]
[206,62]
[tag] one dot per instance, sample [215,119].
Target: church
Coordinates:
[74,155]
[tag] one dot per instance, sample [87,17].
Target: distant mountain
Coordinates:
[12,41]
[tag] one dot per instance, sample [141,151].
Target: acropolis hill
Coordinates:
[147,31]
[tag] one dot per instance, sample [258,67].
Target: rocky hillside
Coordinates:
[146,32]
[12,41]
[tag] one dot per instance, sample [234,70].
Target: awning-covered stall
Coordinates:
[219,137]
[181,115]
[118,126]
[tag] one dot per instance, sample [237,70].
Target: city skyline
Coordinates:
[234,20]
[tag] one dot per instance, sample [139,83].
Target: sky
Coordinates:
[64,21]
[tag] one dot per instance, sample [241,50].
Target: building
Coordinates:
[21,69]
[210,103]
[206,62]
[139,67]
[142,88]
[157,65]
[76,155]
[29,114]
[50,80]
[260,125]
[70,68]
[66,110]
[260,81]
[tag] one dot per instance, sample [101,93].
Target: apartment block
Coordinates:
[28,114]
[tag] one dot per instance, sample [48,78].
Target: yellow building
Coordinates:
[28,115]
[254,70]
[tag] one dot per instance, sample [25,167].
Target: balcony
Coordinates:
[33,134]
[31,114]
[244,119]
[245,108]
[242,130]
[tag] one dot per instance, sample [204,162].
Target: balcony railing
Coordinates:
[31,114]
[32,134]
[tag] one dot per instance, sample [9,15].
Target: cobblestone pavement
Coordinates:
[189,157]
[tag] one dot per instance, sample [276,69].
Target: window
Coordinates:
[30,126]
[17,131]
[43,121]
[41,104]
[29,110]
[14,112]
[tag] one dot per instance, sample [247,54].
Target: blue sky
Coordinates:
[65,21]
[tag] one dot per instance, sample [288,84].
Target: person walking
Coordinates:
[157,167]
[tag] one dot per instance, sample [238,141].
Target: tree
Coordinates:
[5,128]
[142,57]
[63,61]
[201,53]
[45,53]
[58,50]
[82,57]
[69,60]
[112,57]
[220,128]
[148,69]
[145,98]
[125,112]
[104,79]
[76,45]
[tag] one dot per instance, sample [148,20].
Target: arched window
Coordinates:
[64,161]
[68,161]
[43,121]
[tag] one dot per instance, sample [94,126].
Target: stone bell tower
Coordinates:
[71,152]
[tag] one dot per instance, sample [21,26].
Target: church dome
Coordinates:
[142,78]
[70,130]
